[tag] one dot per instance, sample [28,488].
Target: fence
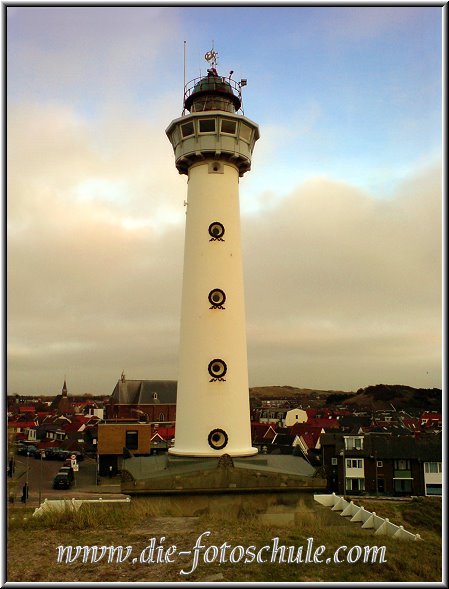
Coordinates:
[62,505]
[369,519]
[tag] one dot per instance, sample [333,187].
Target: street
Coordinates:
[41,473]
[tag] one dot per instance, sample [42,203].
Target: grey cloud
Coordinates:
[342,290]
[339,280]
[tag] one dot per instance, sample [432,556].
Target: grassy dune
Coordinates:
[33,542]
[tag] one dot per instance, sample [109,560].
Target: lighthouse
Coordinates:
[213,144]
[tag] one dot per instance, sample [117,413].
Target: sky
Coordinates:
[341,213]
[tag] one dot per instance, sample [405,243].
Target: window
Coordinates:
[187,129]
[353,484]
[132,440]
[161,417]
[228,126]
[354,463]
[380,464]
[245,132]
[402,464]
[334,461]
[432,467]
[402,485]
[154,396]
[207,125]
[434,489]
[174,137]
[353,443]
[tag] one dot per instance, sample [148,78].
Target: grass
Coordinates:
[230,521]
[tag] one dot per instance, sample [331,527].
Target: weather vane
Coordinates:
[211,57]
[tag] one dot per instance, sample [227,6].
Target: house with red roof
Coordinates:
[27,409]
[162,439]
[262,434]
[308,436]
[329,423]
[431,420]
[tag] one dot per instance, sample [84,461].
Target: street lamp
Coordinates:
[40,478]
[26,478]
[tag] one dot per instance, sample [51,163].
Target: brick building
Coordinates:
[146,400]
[382,463]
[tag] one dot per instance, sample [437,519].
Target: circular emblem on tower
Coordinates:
[216,231]
[217,298]
[217,439]
[217,369]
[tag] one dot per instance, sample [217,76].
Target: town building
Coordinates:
[144,400]
[382,463]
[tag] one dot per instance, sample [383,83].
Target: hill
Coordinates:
[296,396]
[380,396]
[383,396]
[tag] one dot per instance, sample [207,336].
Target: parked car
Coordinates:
[68,470]
[52,453]
[56,454]
[28,449]
[62,481]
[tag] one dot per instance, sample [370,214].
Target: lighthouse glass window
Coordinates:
[187,129]
[245,132]
[207,125]
[228,127]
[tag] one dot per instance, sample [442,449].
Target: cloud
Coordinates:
[343,281]
[342,289]
[368,23]
[95,242]
[88,53]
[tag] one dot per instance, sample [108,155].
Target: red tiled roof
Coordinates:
[310,438]
[80,417]
[167,433]
[300,428]
[71,427]
[21,424]
[27,409]
[324,423]
[431,415]
[412,426]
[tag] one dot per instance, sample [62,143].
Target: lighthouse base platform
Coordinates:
[165,474]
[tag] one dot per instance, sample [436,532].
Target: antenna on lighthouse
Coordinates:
[184,87]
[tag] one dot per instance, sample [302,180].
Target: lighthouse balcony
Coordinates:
[213,135]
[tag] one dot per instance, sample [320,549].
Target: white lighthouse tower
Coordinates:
[213,145]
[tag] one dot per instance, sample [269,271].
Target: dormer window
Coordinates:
[353,443]
[154,396]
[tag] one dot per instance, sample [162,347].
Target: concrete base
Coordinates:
[167,474]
